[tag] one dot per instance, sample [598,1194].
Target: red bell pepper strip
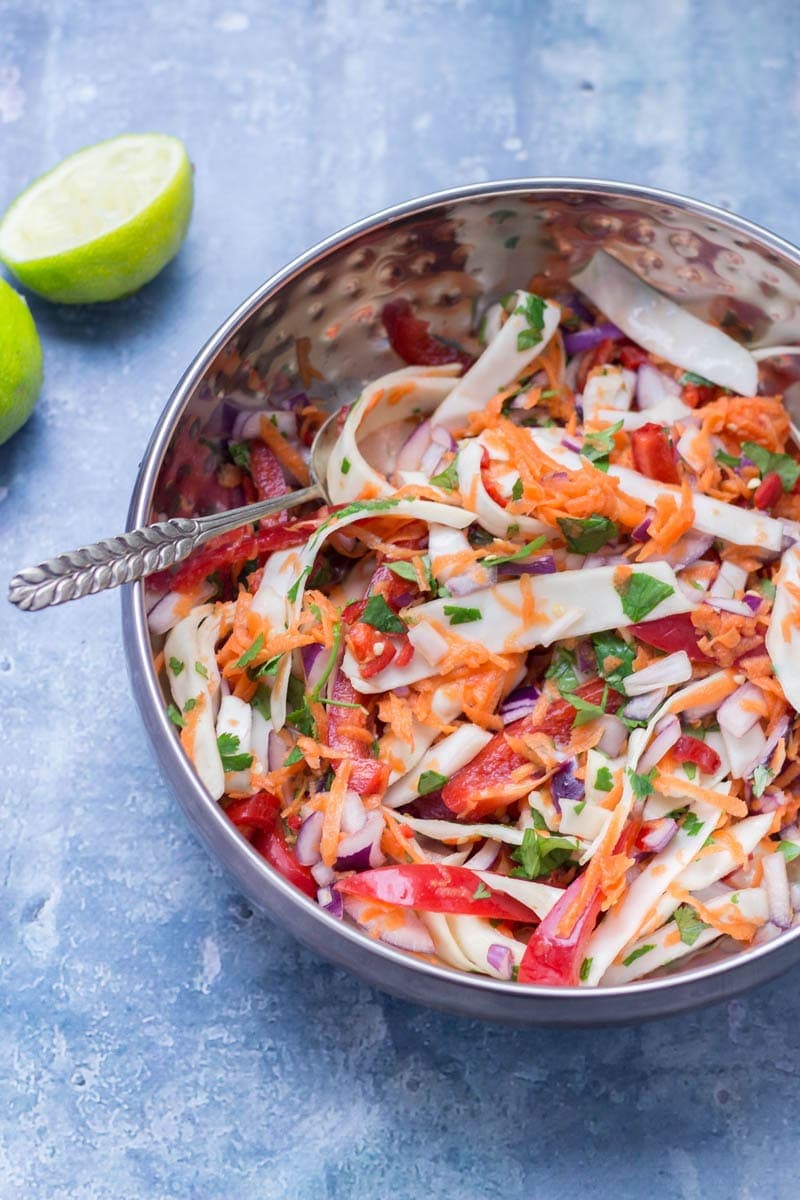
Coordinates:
[234,547]
[368,775]
[768,492]
[274,848]
[691,749]
[632,357]
[652,453]
[495,762]
[255,812]
[598,357]
[266,473]
[412,342]
[434,888]
[553,960]
[671,634]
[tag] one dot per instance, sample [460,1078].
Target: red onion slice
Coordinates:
[738,607]
[641,708]
[501,960]
[659,835]
[518,704]
[653,386]
[331,901]
[413,448]
[309,836]
[769,745]
[545,564]
[776,882]
[614,735]
[484,858]
[587,339]
[362,849]
[664,672]
[733,714]
[665,735]
[564,785]
[313,664]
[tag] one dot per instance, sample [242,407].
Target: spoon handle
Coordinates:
[135,554]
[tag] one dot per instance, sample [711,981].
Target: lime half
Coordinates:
[20,362]
[103,222]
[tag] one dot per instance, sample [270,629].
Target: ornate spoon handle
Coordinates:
[133,555]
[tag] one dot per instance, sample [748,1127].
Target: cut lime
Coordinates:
[103,222]
[20,362]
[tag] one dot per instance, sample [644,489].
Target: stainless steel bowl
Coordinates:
[445,252]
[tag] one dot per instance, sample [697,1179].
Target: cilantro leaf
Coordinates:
[174,715]
[584,709]
[586,967]
[295,755]
[585,535]
[265,669]
[251,652]
[333,655]
[610,645]
[637,953]
[691,824]
[690,769]
[175,665]
[641,593]
[448,478]
[291,595]
[345,466]
[562,670]
[481,892]
[699,380]
[761,777]
[767,588]
[689,924]
[517,489]
[783,465]
[403,569]
[240,453]
[598,446]
[727,460]
[201,669]
[228,745]
[459,615]
[261,702]
[642,784]
[789,850]
[538,820]
[190,703]
[430,781]
[299,715]
[532,309]
[379,615]
[604,780]
[495,560]
[540,855]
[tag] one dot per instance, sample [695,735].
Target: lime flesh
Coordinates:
[20,362]
[103,222]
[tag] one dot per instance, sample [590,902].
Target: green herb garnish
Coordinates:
[228,745]
[496,560]
[430,781]
[175,665]
[604,780]
[585,535]
[642,784]
[175,716]
[240,453]
[448,478]
[689,924]
[782,465]
[532,309]
[761,777]
[379,615]
[540,855]
[641,593]
[598,446]
[611,646]
[637,953]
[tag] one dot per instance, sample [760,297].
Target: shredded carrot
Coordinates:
[671,521]
[681,789]
[332,814]
[727,920]
[189,731]
[713,691]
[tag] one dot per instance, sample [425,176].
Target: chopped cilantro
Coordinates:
[690,769]
[532,309]
[538,820]
[341,704]
[448,478]
[789,850]
[495,560]
[641,593]
[585,535]
[265,669]
[261,702]
[783,465]
[586,711]
[175,665]
[728,460]
[404,569]
[761,777]
[604,780]
[611,646]
[430,781]
[175,716]
[240,453]
[511,242]
[251,652]
[190,703]
[579,807]
[228,745]
[295,755]
[517,489]
[345,466]
[689,924]
[767,588]
[201,670]
[540,855]
[291,595]
[481,892]
[299,715]
[379,615]
[699,380]
[691,824]
[637,953]
[459,615]
[642,784]
[562,670]
[598,446]
[586,967]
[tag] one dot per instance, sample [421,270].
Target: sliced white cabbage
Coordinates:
[458,831]
[664,328]
[608,388]
[784,651]
[447,948]
[665,412]
[559,602]
[236,717]
[539,897]
[444,758]
[193,640]
[271,604]
[583,820]
[740,526]
[292,582]
[446,706]
[474,936]
[596,760]
[393,397]
[474,496]
[444,543]
[550,442]
[499,364]
[621,923]
[656,949]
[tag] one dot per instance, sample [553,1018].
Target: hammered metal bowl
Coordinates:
[446,253]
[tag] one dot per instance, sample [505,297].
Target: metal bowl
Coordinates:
[446,252]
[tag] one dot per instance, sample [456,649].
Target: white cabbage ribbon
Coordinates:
[444,758]
[664,328]
[192,641]
[474,496]
[499,365]
[785,651]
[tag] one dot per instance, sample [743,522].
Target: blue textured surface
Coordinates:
[157,1040]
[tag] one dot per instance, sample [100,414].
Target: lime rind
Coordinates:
[21,367]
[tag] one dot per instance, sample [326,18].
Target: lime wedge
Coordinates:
[103,222]
[20,362]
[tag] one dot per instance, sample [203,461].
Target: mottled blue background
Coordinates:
[157,1040]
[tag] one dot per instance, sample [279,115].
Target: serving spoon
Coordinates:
[142,552]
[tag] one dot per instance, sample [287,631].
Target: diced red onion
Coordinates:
[443,437]
[309,836]
[640,533]
[353,812]
[331,901]
[768,802]
[769,745]
[570,445]
[614,735]
[659,835]
[776,882]
[323,874]
[587,339]
[674,668]
[276,752]
[688,550]
[665,735]
[362,849]
[653,386]
[604,560]
[518,704]
[313,663]
[734,715]
[431,459]
[545,564]
[753,601]
[501,960]
[738,607]
[413,448]
[730,580]
[484,858]
[472,581]
[564,785]
[640,708]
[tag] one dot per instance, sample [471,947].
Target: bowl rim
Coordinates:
[207,815]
